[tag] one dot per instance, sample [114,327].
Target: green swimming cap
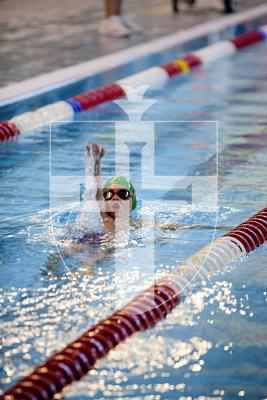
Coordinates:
[120,180]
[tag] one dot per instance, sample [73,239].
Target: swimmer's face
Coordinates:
[117,207]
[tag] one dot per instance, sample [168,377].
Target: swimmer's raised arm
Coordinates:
[96,152]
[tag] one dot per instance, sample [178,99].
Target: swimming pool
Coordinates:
[214,344]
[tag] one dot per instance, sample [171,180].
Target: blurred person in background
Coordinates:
[115,24]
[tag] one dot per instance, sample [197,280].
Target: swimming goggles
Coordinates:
[123,194]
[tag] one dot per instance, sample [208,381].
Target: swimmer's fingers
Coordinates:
[88,151]
[95,150]
[101,151]
[105,238]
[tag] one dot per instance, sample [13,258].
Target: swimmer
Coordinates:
[117,198]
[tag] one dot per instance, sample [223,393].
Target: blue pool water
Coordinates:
[213,346]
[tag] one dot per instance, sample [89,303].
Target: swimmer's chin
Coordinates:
[116,207]
[117,215]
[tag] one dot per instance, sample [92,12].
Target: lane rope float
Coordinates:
[155,77]
[77,358]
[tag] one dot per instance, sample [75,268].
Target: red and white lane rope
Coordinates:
[155,77]
[78,357]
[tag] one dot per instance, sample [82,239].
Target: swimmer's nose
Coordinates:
[115,197]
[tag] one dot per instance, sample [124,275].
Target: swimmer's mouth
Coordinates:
[116,206]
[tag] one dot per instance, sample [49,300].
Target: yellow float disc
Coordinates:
[182,64]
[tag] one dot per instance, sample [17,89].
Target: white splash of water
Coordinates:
[89,220]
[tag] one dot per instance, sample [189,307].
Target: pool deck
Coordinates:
[39,37]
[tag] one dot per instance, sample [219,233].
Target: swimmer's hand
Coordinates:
[105,239]
[96,151]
